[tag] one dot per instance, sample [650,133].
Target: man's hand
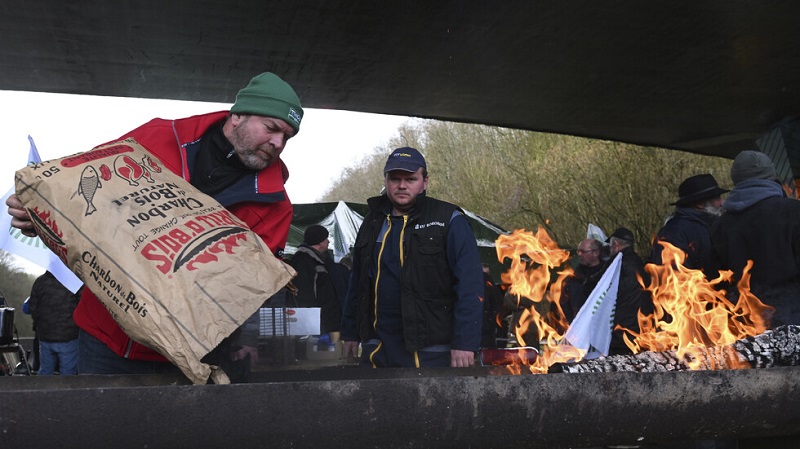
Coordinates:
[350,351]
[461,359]
[19,216]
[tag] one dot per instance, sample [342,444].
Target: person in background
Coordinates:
[340,274]
[51,306]
[415,290]
[631,296]
[233,156]
[315,286]
[33,359]
[762,225]
[579,286]
[688,228]
[492,307]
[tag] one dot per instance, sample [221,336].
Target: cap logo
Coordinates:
[294,116]
[401,155]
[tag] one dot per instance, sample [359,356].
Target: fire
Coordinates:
[692,312]
[533,259]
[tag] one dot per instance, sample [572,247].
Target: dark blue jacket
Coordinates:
[437,289]
[761,225]
[690,231]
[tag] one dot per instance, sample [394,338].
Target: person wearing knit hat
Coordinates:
[266,114]
[761,225]
[750,165]
[315,284]
[314,235]
[269,96]
[233,156]
[688,227]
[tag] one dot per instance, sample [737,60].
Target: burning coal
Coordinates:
[778,347]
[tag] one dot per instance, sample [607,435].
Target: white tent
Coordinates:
[342,219]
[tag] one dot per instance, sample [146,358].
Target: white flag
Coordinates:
[32,248]
[595,232]
[591,328]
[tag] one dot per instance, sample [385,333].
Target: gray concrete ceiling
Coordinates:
[701,76]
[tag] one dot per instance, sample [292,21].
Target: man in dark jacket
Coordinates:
[492,308]
[314,283]
[579,286]
[416,285]
[763,226]
[51,306]
[631,296]
[689,227]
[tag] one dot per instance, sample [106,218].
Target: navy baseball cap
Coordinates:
[406,159]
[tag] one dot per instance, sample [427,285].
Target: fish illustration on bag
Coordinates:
[90,182]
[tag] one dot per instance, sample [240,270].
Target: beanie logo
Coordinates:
[294,116]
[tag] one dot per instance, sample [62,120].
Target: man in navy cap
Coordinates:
[688,228]
[416,285]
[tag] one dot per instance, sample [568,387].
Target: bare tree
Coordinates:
[522,179]
[15,285]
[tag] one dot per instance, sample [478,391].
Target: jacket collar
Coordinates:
[188,130]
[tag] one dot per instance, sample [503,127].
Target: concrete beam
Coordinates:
[353,408]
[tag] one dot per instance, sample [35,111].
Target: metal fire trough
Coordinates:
[349,407]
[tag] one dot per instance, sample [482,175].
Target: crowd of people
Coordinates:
[757,223]
[416,294]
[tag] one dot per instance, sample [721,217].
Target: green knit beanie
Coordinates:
[269,96]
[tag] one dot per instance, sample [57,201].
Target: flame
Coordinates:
[534,257]
[692,312]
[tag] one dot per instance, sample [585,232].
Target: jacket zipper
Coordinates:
[128,348]
[378,275]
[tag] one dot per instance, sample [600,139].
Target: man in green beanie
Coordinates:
[232,156]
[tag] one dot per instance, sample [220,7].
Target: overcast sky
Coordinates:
[61,124]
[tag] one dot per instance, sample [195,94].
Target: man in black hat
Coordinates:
[689,227]
[631,296]
[314,283]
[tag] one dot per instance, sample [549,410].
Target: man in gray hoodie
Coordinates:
[762,225]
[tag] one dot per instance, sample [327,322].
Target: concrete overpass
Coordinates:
[708,77]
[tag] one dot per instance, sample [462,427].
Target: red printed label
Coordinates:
[94,155]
